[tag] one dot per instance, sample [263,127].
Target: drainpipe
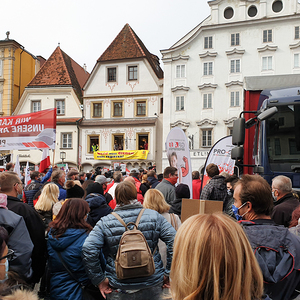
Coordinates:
[20,72]
[77,124]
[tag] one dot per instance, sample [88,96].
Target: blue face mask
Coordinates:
[236,211]
[6,264]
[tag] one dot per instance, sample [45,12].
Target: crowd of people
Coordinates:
[86,236]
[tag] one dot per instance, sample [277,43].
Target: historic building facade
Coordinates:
[123,104]
[204,72]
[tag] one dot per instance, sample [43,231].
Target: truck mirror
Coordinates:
[268,113]
[238,132]
[237,153]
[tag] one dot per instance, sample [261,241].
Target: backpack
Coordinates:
[134,258]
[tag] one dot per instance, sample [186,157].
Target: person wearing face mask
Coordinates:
[230,182]
[277,250]
[167,186]
[284,201]
[10,184]
[35,185]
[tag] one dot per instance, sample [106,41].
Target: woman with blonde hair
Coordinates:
[154,199]
[213,260]
[47,199]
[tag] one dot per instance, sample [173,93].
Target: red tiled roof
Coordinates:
[60,70]
[127,45]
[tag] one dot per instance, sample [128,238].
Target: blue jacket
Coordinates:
[34,186]
[62,285]
[62,192]
[98,208]
[153,182]
[278,253]
[106,235]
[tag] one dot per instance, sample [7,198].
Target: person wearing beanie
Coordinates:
[97,203]
[74,190]
[103,181]
[182,191]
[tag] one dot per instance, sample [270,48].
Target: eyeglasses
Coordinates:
[9,255]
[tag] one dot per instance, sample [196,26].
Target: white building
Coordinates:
[204,71]
[58,84]
[122,103]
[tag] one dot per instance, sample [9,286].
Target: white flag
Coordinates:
[27,174]
[17,167]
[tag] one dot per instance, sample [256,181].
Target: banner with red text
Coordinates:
[121,154]
[29,131]
[178,154]
[220,155]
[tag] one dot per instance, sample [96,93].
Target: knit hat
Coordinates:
[94,188]
[74,190]
[182,191]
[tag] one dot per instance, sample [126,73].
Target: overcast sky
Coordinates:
[85,29]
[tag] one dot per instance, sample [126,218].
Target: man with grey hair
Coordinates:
[284,201]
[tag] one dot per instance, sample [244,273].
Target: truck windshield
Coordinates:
[283,139]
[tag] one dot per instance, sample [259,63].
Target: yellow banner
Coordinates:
[122,154]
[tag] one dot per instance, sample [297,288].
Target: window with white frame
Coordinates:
[235,39]
[296,60]
[207,100]
[208,68]
[267,36]
[180,71]
[179,103]
[60,107]
[208,42]
[267,63]
[206,137]
[235,98]
[132,72]
[297,33]
[235,66]
[35,105]
[66,140]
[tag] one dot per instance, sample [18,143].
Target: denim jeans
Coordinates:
[152,293]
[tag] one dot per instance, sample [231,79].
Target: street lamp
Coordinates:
[62,156]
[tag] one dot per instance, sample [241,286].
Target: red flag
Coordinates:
[45,162]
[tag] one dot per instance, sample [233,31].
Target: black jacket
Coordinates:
[36,231]
[98,208]
[153,182]
[283,209]
[278,254]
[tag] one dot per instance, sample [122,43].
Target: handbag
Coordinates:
[89,292]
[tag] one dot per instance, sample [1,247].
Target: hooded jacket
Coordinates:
[215,189]
[277,251]
[153,182]
[106,235]
[62,285]
[98,208]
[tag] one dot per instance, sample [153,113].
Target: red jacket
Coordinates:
[196,188]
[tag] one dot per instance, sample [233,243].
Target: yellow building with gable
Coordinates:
[17,68]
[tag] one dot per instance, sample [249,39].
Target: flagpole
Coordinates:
[53,157]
